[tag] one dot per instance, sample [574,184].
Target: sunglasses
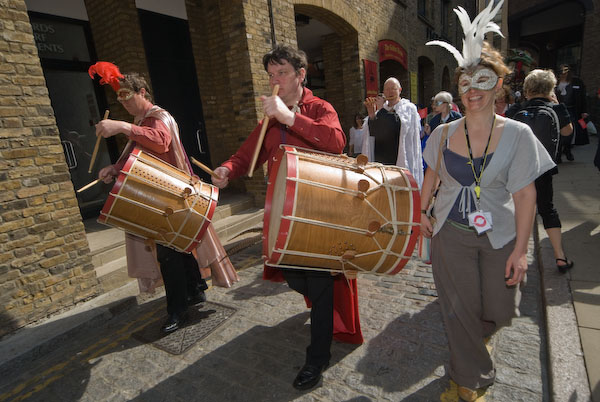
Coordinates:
[124,94]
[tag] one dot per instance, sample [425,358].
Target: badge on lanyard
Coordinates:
[481,221]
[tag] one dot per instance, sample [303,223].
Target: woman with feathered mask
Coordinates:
[484,208]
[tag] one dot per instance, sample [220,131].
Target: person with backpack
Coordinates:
[548,120]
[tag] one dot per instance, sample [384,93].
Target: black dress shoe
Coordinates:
[308,376]
[173,323]
[196,298]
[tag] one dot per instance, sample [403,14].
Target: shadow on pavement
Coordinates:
[410,349]
[258,287]
[60,370]
[258,365]
[582,247]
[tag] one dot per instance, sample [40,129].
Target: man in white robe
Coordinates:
[395,122]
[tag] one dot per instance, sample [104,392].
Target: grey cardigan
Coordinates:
[518,160]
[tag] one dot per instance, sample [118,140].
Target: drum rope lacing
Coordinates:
[188,213]
[196,195]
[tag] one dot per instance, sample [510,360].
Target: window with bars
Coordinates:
[445,16]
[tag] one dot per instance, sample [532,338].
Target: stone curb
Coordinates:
[568,379]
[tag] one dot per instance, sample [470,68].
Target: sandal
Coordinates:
[564,268]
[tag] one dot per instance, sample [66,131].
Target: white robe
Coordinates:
[409,145]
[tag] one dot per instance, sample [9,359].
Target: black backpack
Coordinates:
[544,123]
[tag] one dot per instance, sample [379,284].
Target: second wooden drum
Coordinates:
[336,213]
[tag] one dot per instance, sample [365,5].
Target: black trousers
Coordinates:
[317,286]
[564,144]
[181,277]
[545,206]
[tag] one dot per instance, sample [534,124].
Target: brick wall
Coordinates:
[117,37]
[590,52]
[44,255]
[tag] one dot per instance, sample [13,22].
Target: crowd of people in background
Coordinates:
[569,91]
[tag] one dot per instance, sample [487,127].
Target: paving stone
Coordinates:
[255,355]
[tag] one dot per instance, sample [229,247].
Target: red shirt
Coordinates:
[316,126]
[154,137]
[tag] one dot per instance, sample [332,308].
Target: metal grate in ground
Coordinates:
[202,320]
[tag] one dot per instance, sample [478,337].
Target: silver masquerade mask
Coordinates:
[483,79]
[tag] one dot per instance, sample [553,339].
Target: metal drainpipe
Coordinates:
[273,41]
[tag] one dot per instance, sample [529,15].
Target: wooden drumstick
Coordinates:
[88,185]
[204,167]
[261,136]
[97,144]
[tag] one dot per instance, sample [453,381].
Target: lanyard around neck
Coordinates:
[485,154]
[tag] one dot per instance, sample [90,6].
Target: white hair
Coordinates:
[394,80]
[443,96]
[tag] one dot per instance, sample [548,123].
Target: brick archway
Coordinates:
[341,63]
[338,15]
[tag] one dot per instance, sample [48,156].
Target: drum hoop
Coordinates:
[340,270]
[409,246]
[116,189]
[288,201]
[207,219]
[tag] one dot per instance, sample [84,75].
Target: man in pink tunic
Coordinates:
[156,132]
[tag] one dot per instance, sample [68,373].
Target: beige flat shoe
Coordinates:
[467,394]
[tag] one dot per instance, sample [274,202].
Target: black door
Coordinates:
[66,52]
[174,80]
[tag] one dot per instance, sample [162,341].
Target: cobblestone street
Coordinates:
[255,354]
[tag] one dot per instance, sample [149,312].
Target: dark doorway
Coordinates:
[426,88]
[66,52]
[174,81]
[391,68]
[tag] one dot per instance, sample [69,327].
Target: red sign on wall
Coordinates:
[390,50]
[371,82]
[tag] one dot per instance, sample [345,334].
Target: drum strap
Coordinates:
[283,127]
[436,182]
[282,134]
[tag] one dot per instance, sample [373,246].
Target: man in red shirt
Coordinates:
[300,119]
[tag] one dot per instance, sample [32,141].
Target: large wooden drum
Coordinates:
[336,213]
[155,200]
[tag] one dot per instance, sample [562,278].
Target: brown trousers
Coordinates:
[475,301]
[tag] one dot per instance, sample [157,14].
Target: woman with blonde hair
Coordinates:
[484,209]
[539,92]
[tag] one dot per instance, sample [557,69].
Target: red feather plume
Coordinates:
[108,72]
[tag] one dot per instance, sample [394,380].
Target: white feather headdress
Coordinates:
[474,34]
